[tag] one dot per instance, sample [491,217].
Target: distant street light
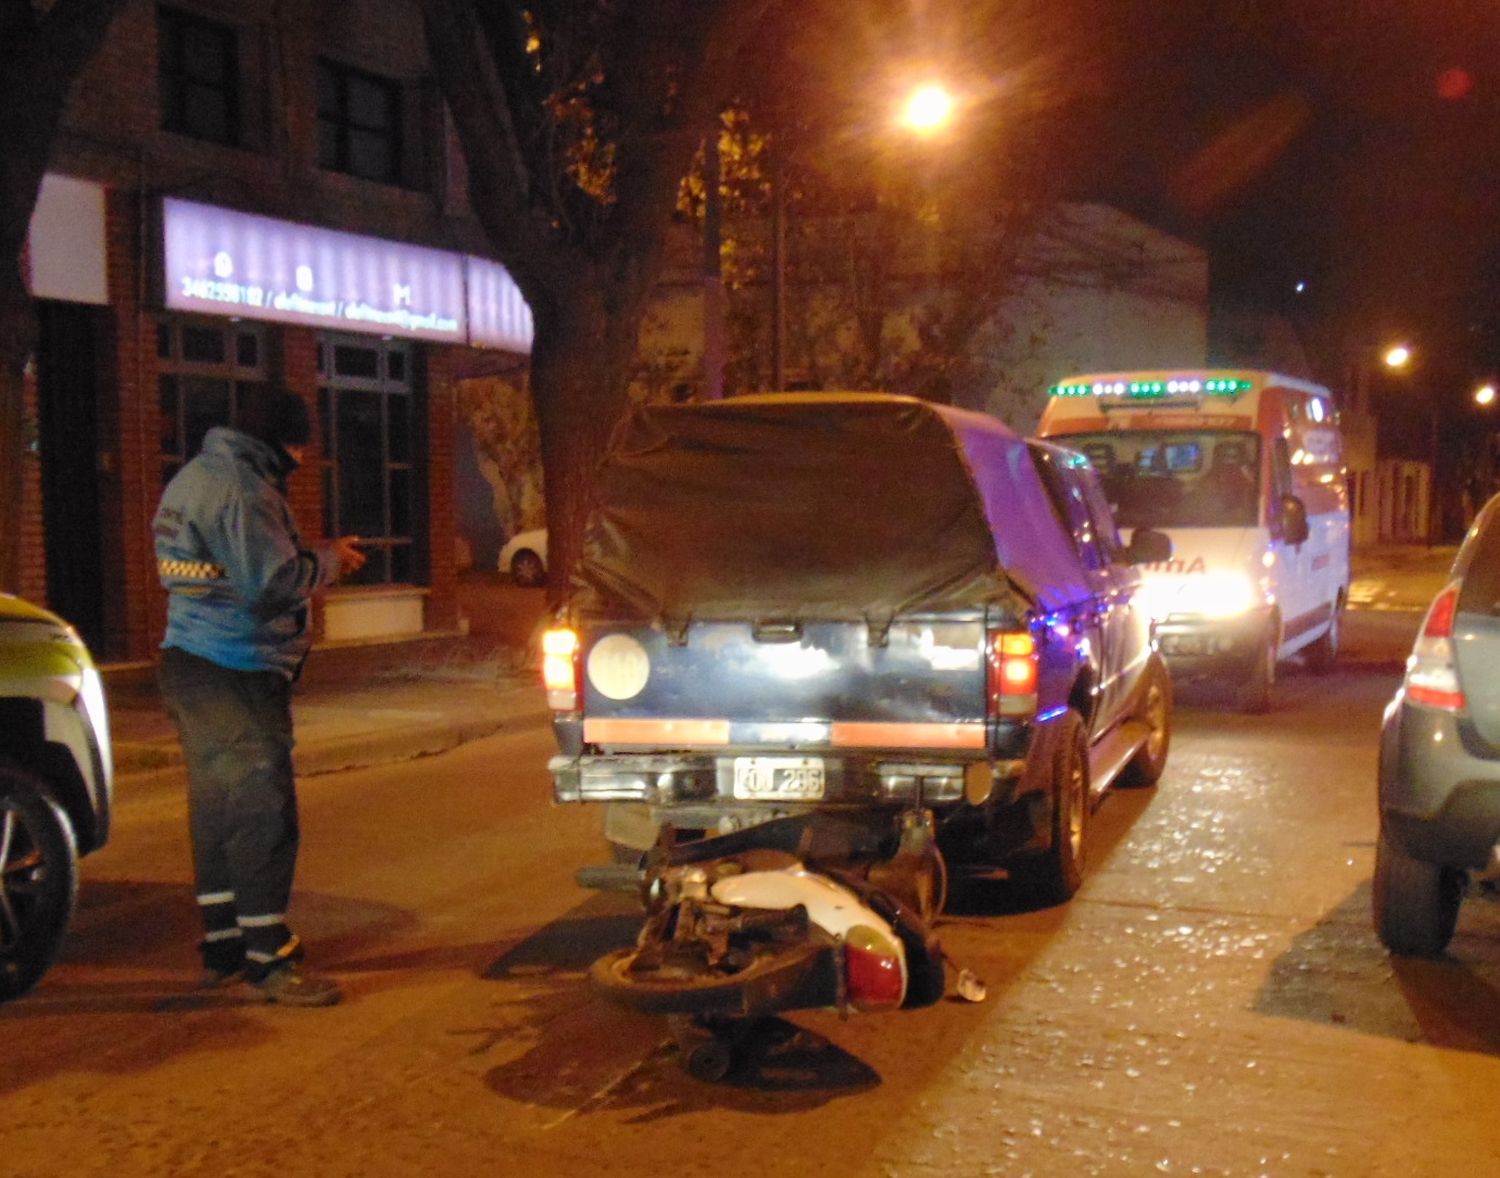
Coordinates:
[1398,356]
[927,110]
[1484,395]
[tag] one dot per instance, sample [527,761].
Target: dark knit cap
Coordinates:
[275,415]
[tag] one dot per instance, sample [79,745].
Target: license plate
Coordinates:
[779,778]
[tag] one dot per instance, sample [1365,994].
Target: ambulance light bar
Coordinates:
[1217,387]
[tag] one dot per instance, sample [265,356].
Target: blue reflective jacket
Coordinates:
[228,554]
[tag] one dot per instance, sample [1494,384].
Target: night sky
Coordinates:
[1350,146]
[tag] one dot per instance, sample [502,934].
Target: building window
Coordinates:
[205,371]
[199,73]
[367,416]
[359,123]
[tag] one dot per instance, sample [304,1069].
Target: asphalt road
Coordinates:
[1213,1002]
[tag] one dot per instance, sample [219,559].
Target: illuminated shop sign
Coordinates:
[221,262]
[498,315]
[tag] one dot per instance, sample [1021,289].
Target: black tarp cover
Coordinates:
[827,506]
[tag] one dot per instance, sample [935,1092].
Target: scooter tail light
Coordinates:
[560,649]
[1432,668]
[874,969]
[1012,673]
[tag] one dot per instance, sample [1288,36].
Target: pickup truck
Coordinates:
[856,606]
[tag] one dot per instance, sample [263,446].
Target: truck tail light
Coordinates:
[560,668]
[1431,670]
[1012,658]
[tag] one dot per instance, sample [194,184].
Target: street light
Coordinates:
[1397,356]
[927,109]
[926,112]
[1484,395]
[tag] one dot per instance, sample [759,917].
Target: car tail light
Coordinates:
[1431,670]
[560,668]
[1012,673]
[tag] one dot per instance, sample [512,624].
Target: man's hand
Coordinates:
[351,559]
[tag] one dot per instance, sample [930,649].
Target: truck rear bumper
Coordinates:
[699,780]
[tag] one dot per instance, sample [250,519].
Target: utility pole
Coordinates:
[778,269]
[714,348]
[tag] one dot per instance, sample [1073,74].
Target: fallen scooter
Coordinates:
[737,932]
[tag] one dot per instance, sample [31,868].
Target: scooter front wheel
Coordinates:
[791,978]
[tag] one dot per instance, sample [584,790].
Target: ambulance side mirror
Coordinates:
[1148,546]
[1294,529]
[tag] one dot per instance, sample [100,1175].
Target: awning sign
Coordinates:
[220,262]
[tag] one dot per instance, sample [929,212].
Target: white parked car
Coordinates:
[524,557]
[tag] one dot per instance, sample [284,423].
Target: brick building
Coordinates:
[243,193]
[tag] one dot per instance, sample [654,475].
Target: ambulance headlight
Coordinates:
[1218,595]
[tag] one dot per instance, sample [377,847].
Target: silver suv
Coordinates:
[1440,757]
[56,780]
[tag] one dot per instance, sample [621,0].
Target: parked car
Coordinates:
[860,604]
[56,778]
[1439,776]
[524,557]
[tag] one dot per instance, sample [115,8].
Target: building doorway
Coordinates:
[68,435]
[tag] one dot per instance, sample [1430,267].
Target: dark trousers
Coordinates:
[236,732]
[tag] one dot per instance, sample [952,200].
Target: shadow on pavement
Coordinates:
[564,1068]
[1337,973]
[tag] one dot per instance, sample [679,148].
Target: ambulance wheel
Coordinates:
[1324,653]
[1255,692]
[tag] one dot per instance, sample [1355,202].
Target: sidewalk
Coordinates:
[1398,576]
[426,707]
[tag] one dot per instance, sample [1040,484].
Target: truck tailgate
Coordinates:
[787,684]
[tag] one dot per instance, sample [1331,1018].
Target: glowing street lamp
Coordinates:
[1398,356]
[1484,395]
[927,110]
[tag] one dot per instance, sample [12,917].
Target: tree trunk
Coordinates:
[581,386]
[41,55]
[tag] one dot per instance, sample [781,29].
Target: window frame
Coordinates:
[171,366]
[345,125]
[389,384]
[174,78]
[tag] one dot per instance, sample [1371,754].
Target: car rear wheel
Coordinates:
[1056,875]
[1155,711]
[526,569]
[1415,903]
[38,879]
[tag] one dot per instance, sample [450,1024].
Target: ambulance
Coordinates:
[1244,471]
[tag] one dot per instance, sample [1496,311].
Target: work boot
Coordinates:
[288,985]
[223,962]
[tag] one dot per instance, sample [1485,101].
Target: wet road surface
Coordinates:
[1213,1002]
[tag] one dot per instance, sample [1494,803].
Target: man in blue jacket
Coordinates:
[240,582]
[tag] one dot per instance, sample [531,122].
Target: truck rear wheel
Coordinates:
[1054,876]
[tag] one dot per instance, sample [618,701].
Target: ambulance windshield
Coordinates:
[1176,478]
